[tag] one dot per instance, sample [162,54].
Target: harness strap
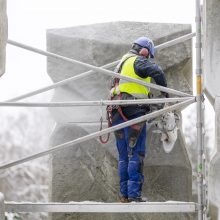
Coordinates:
[135,126]
[109,119]
[109,108]
[116,84]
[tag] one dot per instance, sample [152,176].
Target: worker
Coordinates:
[131,141]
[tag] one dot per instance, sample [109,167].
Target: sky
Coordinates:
[29,19]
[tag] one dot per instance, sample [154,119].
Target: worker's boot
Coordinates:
[140,199]
[124,199]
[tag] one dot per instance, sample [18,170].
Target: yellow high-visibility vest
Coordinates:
[135,89]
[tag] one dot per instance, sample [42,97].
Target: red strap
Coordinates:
[109,118]
[135,126]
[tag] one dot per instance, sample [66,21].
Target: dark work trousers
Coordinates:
[131,145]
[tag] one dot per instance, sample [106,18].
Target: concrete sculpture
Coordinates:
[212,90]
[3,34]
[88,171]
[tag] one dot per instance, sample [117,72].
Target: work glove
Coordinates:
[155,107]
[150,95]
[114,91]
[163,95]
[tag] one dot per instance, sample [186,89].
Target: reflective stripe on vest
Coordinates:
[135,89]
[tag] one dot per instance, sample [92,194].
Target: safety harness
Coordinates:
[109,108]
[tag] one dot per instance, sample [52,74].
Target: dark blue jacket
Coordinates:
[144,68]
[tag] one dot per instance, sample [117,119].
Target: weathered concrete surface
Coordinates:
[3,34]
[214,173]
[212,78]
[89,171]
[212,48]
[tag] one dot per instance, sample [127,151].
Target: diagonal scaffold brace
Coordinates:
[96,69]
[99,133]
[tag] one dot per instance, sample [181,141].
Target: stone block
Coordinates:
[211,47]
[100,44]
[88,171]
[3,34]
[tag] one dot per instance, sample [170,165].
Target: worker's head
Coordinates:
[144,46]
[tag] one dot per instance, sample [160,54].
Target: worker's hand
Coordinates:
[163,95]
[156,107]
[114,91]
[150,95]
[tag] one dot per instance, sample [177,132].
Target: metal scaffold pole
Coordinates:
[200,121]
[107,66]
[96,69]
[93,103]
[98,133]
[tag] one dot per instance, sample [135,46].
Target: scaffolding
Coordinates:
[182,101]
